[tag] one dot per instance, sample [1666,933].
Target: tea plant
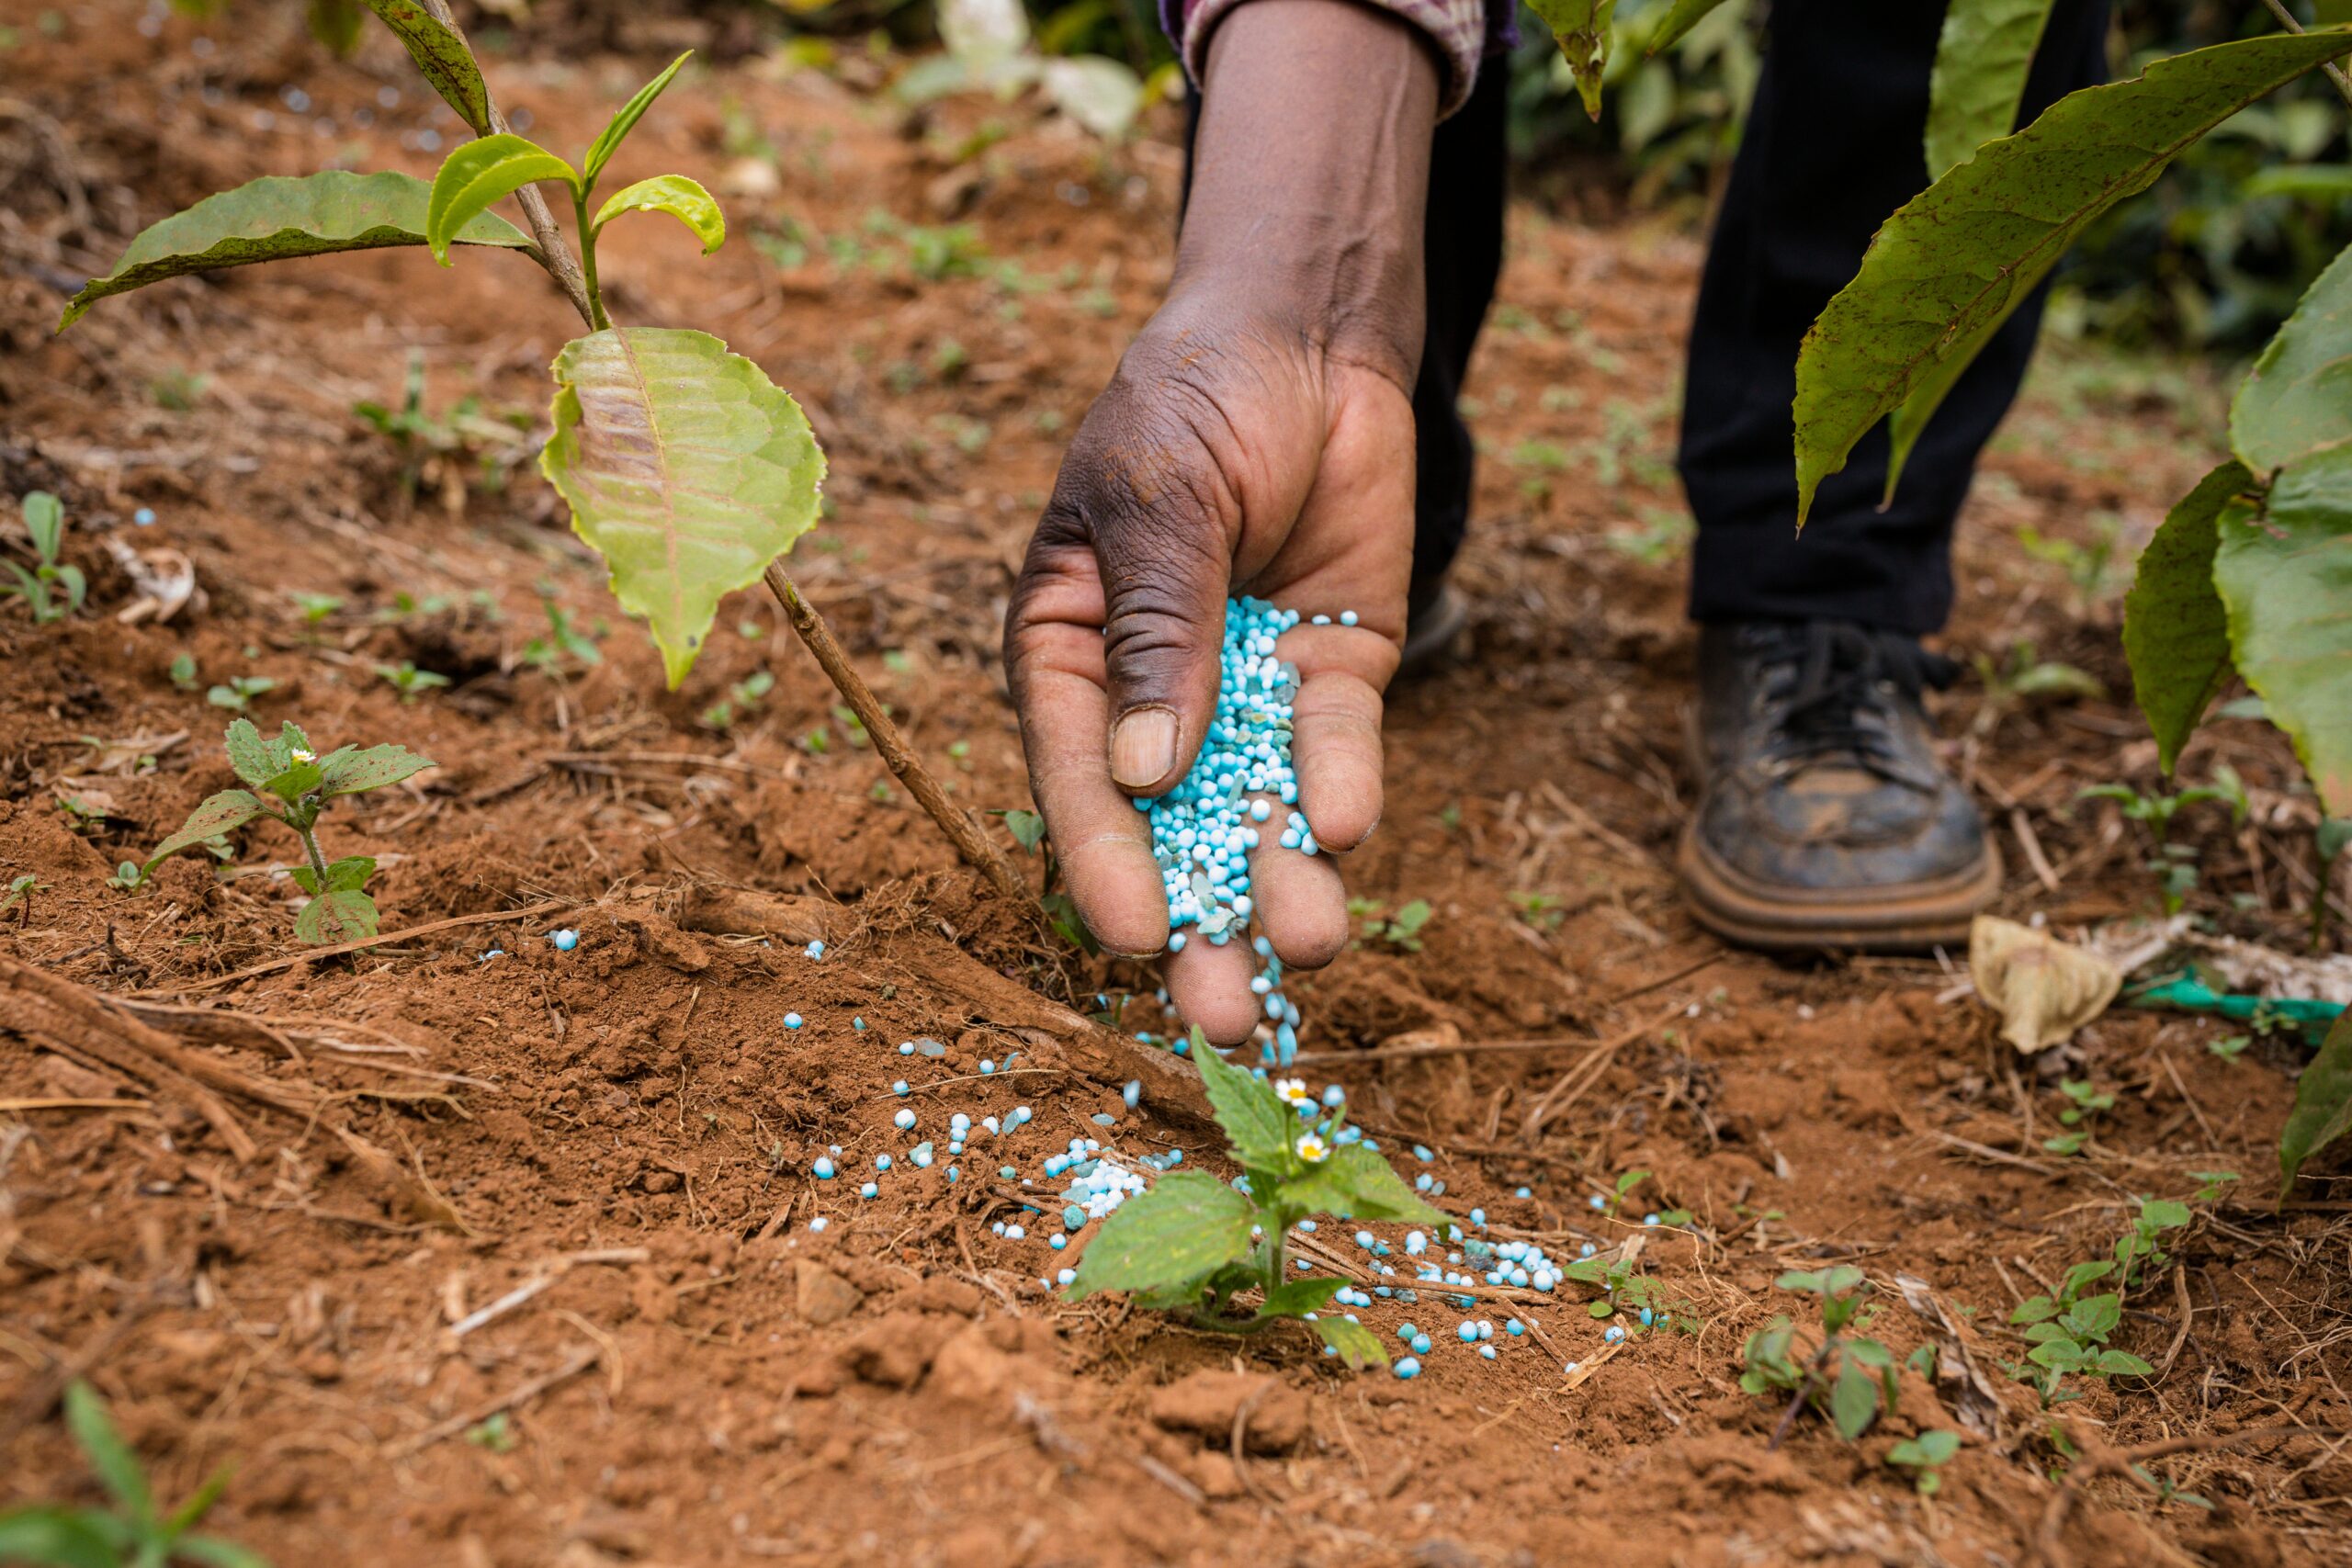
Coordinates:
[1194,1244]
[44,517]
[1925,1456]
[731,476]
[132,1533]
[1847,1376]
[297,782]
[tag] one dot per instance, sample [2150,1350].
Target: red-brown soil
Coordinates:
[630,1122]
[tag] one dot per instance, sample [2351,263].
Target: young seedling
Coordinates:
[2025,681]
[52,589]
[1849,1377]
[237,694]
[1925,1456]
[436,449]
[295,784]
[20,891]
[741,700]
[1541,910]
[2175,866]
[133,1532]
[1194,1244]
[408,681]
[183,672]
[2069,1331]
[547,654]
[129,877]
[736,471]
[1401,930]
[2141,1248]
[2087,1103]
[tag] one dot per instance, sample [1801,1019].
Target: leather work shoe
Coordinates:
[1823,819]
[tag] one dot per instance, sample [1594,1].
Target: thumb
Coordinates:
[1165,563]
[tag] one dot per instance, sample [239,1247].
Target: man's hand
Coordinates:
[1256,439]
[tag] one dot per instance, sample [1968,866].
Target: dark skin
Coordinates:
[1257,439]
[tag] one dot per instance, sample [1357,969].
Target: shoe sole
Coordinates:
[1908,918]
[1429,639]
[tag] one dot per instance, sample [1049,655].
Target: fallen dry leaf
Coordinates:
[2043,989]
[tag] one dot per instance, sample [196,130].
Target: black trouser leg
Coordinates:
[1462,247]
[1832,147]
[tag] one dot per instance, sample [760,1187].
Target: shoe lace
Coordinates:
[1831,691]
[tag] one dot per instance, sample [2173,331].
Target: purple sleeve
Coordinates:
[1464,31]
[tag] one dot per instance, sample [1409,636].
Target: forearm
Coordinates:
[1311,174]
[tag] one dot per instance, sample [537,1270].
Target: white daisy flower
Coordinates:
[1313,1149]
[301,756]
[1293,1091]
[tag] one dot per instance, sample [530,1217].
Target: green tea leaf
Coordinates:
[1950,266]
[1853,1401]
[1354,1183]
[294,783]
[443,58]
[1686,14]
[1293,1298]
[2297,397]
[350,873]
[1188,1225]
[1359,1347]
[2112,1363]
[608,140]
[479,173]
[2093,1318]
[2163,1215]
[117,1467]
[2034,1309]
[349,773]
[681,197]
[685,468]
[1027,828]
[336,914]
[1262,1129]
[55,1536]
[2285,577]
[1981,63]
[278,217]
[218,814]
[2176,633]
[44,517]
[1581,29]
[2322,1105]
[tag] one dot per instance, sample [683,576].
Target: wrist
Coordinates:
[1311,176]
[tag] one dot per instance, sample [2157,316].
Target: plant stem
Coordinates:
[952,819]
[2335,71]
[596,317]
[310,848]
[1804,1387]
[962,831]
[553,255]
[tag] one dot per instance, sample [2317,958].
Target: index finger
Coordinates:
[1055,667]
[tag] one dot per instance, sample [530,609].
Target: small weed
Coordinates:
[129,877]
[2027,680]
[742,699]
[495,1432]
[316,607]
[1848,1377]
[2175,866]
[1401,930]
[2087,1103]
[547,654]
[1925,1456]
[1195,1244]
[439,449]
[1542,910]
[408,681]
[1028,829]
[177,391]
[20,890]
[44,517]
[60,1535]
[237,694]
[2069,1331]
[183,672]
[2228,1047]
[299,783]
[2211,1183]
